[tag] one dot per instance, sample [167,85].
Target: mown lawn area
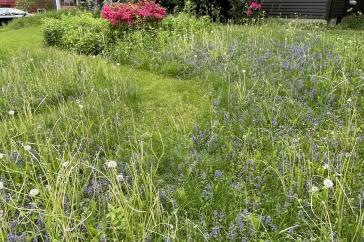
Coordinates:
[226,133]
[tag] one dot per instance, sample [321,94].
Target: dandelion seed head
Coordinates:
[328,183]
[111,164]
[120,177]
[34,192]
[314,189]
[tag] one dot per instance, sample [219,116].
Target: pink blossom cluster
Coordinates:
[253,7]
[132,13]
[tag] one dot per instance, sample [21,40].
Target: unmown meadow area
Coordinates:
[182,130]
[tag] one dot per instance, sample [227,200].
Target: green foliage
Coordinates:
[355,22]
[173,6]
[25,4]
[139,47]
[220,10]
[237,147]
[81,33]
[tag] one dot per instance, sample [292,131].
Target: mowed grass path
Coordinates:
[82,111]
[167,105]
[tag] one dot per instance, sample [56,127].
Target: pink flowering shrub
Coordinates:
[133,13]
[254,8]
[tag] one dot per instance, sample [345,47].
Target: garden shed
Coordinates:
[312,9]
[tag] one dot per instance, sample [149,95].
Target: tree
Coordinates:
[25,4]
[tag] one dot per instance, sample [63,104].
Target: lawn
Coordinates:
[229,133]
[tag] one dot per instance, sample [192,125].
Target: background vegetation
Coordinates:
[182,131]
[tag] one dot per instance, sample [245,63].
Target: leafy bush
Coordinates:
[173,5]
[167,46]
[220,10]
[133,13]
[354,22]
[24,4]
[81,33]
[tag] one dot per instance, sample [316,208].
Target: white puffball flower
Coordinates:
[34,192]
[120,177]
[2,156]
[11,112]
[244,71]
[118,64]
[111,164]
[314,189]
[326,166]
[80,106]
[27,147]
[328,183]
[65,164]
[1,185]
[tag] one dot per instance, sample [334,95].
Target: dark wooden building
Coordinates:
[312,9]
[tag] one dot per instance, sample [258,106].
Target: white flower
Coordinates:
[244,71]
[11,112]
[80,106]
[120,177]
[65,164]
[34,192]
[326,166]
[1,185]
[328,183]
[314,189]
[118,64]
[2,156]
[111,164]
[27,147]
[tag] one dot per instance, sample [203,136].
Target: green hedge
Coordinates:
[82,33]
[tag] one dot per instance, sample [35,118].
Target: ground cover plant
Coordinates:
[183,130]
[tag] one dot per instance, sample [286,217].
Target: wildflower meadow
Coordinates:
[137,124]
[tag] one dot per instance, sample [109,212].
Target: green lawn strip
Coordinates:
[165,108]
[28,38]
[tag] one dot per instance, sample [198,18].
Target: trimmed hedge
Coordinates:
[82,33]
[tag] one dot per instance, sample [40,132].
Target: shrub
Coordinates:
[133,13]
[173,6]
[219,10]
[227,10]
[81,33]
[53,31]
[254,8]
